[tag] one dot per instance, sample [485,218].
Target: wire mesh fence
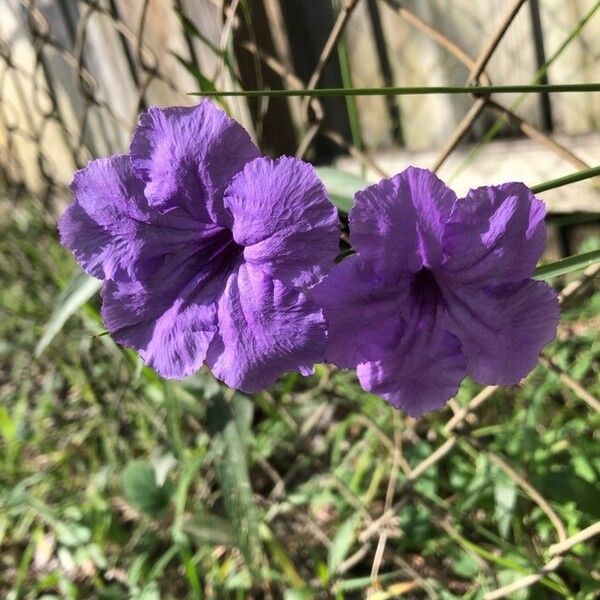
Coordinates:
[73,78]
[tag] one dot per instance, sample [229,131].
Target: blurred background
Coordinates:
[117,484]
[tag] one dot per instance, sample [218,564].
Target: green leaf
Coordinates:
[190,28]
[206,85]
[78,291]
[298,594]
[280,557]
[464,564]
[71,534]
[505,498]
[342,542]
[162,464]
[566,265]
[142,491]
[149,592]
[229,424]
[207,528]
[8,430]
[341,186]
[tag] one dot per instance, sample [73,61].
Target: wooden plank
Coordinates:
[102,133]
[208,18]
[501,161]
[416,60]
[373,114]
[161,39]
[580,62]
[309,25]
[33,136]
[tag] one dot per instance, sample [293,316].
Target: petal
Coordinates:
[265,330]
[171,337]
[397,224]
[102,226]
[495,235]
[426,367]
[283,217]
[362,314]
[187,156]
[170,314]
[503,328]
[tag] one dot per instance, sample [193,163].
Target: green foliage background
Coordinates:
[116,484]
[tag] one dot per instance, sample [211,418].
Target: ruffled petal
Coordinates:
[283,217]
[170,314]
[397,224]
[265,329]
[495,235]
[172,338]
[102,227]
[502,328]
[426,367]
[362,314]
[187,156]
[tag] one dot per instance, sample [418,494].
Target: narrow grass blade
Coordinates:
[205,84]
[228,424]
[566,180]
[567,265]
[279,555]
[190,28]
[79,290]
[482,90]
[342,542]
[346,74]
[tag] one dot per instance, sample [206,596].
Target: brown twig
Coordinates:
[336,32]
[490,47]
[389,498]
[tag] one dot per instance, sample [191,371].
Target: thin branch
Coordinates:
[336,31]
[565,545]
[389,498]
[535,134]
[524,582]
[573,385]
[504,23]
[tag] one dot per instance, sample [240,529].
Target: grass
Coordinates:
[117,485]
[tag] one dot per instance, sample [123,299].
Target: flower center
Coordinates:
[221,249]
[425,287]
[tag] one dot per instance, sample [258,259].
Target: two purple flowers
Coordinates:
[213,254]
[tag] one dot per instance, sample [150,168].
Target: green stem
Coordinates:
[566,180]
[173,420]
[567,265]
[481,90]
[346,74]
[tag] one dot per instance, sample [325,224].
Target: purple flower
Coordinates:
[206,248]
[440,288]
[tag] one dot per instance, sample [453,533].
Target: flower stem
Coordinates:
[480,90]
[566,180]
